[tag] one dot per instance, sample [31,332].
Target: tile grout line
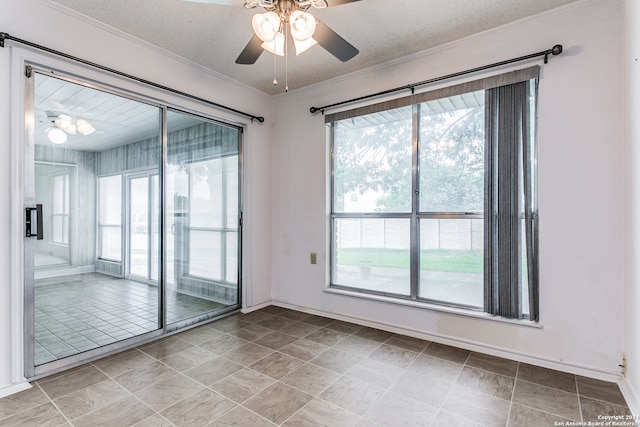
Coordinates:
[131,394]
[54,404]
[557,390]
[340,374]
[240,404]
[453,383]
[575,379]
[513,393]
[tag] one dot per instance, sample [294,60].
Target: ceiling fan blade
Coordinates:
[339,2]
[333,43]
[220,2]
[251,52]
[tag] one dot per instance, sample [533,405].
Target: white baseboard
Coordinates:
[64,271]
[572,368]
[14,388]
[630,395]
[246,310]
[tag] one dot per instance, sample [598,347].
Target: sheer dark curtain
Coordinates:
[509,202]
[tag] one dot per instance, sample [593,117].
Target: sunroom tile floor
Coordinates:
[282,367]
[82,312]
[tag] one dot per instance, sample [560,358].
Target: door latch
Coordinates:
[33,226]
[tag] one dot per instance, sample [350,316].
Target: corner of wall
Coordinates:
[630,395]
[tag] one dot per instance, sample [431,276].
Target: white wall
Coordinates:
[581,164]
[581,193]
[41,22]
[632,219]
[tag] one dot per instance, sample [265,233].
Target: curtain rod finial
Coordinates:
[556,50]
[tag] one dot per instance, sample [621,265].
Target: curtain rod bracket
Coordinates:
[2,37]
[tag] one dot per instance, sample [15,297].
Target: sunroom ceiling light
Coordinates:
[63,125]
[71,126]
[84,127]
[56,135]
[66,123]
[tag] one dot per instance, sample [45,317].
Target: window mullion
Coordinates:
[414,238]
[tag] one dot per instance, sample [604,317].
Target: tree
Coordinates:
[452,161]
[377,157]
[374,158]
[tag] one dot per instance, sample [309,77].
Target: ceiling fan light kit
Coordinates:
[303,25]
[271,30]
[275,46]
[271,27]
[266,25]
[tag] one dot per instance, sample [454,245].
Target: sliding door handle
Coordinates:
[32,223]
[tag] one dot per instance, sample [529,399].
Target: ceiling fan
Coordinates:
[289,16]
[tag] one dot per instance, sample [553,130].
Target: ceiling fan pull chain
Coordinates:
[286,57]
[275,81]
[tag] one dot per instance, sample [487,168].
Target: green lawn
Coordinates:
[436,260]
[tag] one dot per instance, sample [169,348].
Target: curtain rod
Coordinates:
[6,36]
[555,50]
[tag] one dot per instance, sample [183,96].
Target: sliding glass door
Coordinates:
[201,216]
[128,238]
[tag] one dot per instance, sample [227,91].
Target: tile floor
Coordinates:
[282,367]
[82,312]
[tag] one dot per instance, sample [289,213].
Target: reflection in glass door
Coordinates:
[53,184]
[201,217]
[144,213]
[139,227]
[86,143]
[138,239]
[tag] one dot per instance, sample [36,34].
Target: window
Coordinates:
[433,197]
[213,234]
[110,218]
[60,209]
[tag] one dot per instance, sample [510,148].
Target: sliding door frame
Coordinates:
[24,62]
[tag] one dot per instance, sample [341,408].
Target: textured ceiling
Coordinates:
[214,35]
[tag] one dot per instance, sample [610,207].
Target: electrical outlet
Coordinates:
[313,258]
